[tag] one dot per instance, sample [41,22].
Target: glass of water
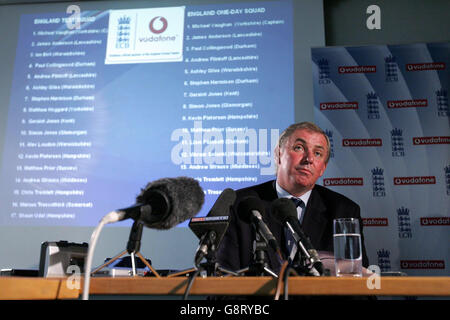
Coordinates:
[347,247]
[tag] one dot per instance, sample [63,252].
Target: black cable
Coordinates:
[190,282]
[288,271]
[285,282]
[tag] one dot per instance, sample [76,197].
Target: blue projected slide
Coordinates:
[106,101]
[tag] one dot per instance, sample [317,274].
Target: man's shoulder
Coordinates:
[329,195]
[262,190]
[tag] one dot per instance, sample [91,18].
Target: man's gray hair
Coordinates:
[297,126]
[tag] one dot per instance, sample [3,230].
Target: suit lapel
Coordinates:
[314,221]
[276,228]
[267,193]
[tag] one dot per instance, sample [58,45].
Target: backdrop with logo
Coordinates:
[385,109]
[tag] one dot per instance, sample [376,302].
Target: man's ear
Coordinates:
[276,153]
[276,157]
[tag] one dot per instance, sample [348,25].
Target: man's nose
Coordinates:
[307,157]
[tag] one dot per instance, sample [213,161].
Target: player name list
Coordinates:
[225,71]
[55,113]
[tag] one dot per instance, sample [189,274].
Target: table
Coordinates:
[17,288]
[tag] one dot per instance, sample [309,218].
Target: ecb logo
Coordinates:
[378,182]
[390,69]
[398,147]
[404,223]
[123,32]
[442,103]
[324,71]
[384,261]
[373,111]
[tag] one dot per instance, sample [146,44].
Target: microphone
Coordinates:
[250,210]
[165,203]
[210,229]
[285,211]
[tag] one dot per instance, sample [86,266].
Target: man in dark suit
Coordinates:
[301,157]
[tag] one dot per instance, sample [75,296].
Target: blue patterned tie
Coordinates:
[290,242]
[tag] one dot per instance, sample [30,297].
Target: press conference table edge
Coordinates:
[18,288]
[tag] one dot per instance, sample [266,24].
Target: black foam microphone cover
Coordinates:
[247,205]
[252,210]
[170,201]
[284,209]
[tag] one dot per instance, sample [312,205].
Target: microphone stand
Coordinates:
[301,263]
[258,266]
[133,247]
[211,266]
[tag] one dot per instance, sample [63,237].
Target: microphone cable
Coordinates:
[279,282]
[190,283]
[285,271]
[109,218]
[290,270]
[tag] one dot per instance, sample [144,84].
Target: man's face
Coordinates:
[301,161]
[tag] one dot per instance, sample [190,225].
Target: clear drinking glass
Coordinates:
[347,247]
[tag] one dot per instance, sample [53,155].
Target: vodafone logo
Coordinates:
[398,181]
[416,103]
[343,182]
[375,222]
[357,69]
[362,142]
[425,66]
[422,264]
[339,105]
[158,25]
[435,221]
[431,140]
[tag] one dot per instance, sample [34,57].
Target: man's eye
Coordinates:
[319,154]
[298,148]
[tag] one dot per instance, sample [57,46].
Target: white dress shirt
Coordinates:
[305,197]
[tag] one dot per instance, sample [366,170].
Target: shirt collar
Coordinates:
[284,194]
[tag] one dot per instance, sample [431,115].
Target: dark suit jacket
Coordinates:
[324,205]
